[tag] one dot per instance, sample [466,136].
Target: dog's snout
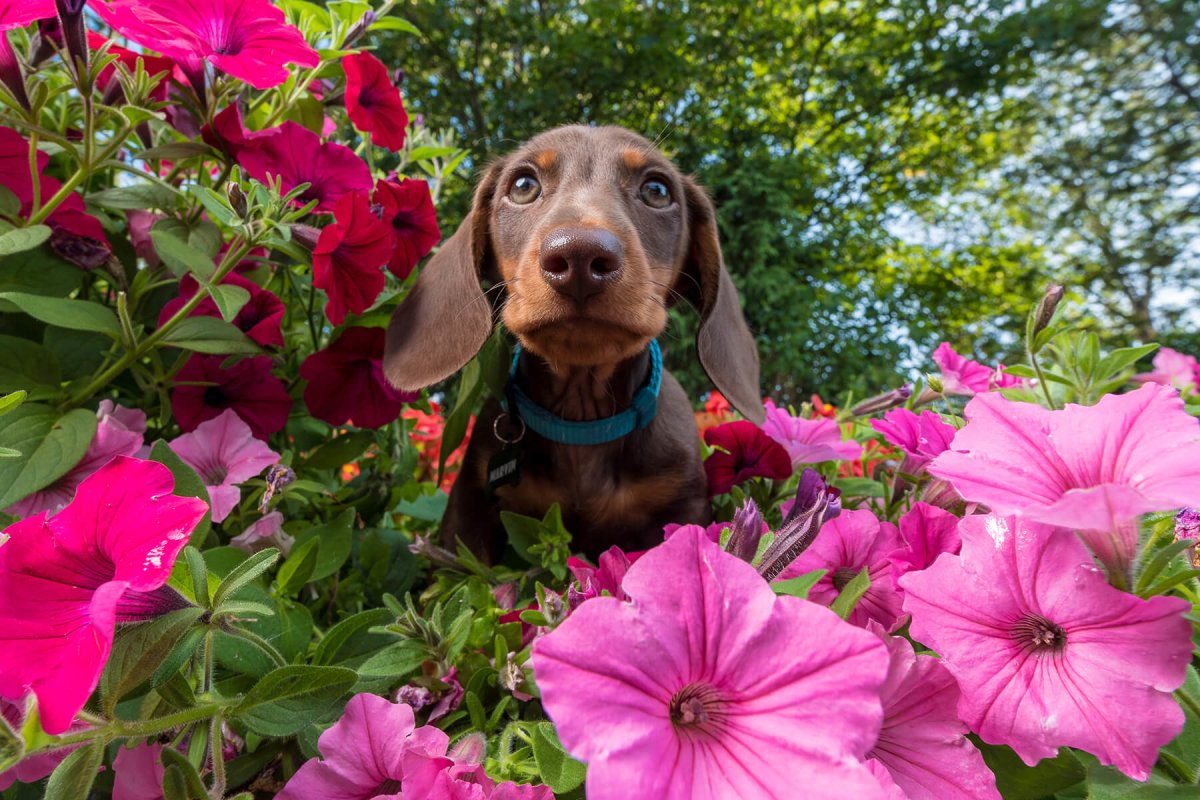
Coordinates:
[581,262]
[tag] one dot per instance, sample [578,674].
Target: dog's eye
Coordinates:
[525,190]
[655,194]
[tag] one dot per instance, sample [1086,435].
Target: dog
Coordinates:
[590,235]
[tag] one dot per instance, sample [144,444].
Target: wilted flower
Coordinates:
[815,503]
[278,476]
[373,103]
[808,441]
[746,452]
[346,382]
[204,389]
[265,532]
[1187,526]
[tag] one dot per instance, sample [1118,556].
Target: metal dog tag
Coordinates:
[504,468]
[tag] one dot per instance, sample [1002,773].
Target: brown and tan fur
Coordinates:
[586,356]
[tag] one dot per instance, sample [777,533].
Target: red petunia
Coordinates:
[749,453]
[373,102]
[204,389]
[296,155]
[349,257]
[346,382]
[260,319]
[408,208]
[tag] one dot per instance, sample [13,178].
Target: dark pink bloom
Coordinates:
[408,207]
[296,155]
[346,382]
[203,389]
[1046,653]
[846,544]
[138,773]
[746,452]
[808,441]
[66,581]
[927,532]
[19,13]
[607,577]
[922,437]
[708,685]
[923,744]
[1173,368]
[228,133]
[1090,468]
[373,102]
[224,453]
[713,530]
[349,258]
[249,39]
[260,319]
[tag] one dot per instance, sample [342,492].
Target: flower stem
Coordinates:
[123,729]
[215,745]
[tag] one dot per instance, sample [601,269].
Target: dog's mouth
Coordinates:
[582,340]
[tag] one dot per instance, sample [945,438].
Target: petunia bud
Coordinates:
[510,675]
[306,236]
[745,532]
[553,608]
[237,200]
[74,33]
[471,749]
[883,402]
[360,28]
[277,477]
[46,41]
[816,503]
[1046,307]
[935,383]
[82,251]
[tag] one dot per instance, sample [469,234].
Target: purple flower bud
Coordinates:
[416,696]
[505,595]
[47,41]
[883,402]
[70,14]
[1046,307]
[237,199]
[306,236]
[277,477]
[745,532]
[360,28]
[816,503]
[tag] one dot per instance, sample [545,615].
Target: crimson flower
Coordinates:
[249,39]
[373,102]
[408,207]
[296,155]
[259,319]
[349,257]
[346,382]
[748,453]
[66,581]
[227,132]
[204,389]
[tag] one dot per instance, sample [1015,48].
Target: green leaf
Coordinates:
[395,660]
[77,315]
[50,446]
[495,358]
[140,196]
[139,649]
[351,637]
[189,645]
[1016,781]
[1185,748]
[295,571]
[229,299]
[340,450]
[216,205]
[289,698]
[209,335]
[800,585]
[202,235]
[560,772]
[245,572]
[187,484]
[18,240]
[188,785]
[39,272]
[334,542]
[73,778]
[851,593]
[175,151]
[27,365]
[11,402]
[1157,564]
[12,747]
[181,257]
[10,205]
[199,574]
[1120,360]
[455,429]
[395,24]
[859,487]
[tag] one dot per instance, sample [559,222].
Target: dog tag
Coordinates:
[504,468]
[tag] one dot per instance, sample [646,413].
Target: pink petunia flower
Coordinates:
[224,453]
[846,544]
[66,582]
[1046,653]
[349,258]
[227,132]
[138,773]
[927,532]
[922,437]
[346,382]
[260,319]
[923,744]
[204,389]
[1093,469]
[249,39]
[607,577]
[746,452]
[119,432]
[265,532]
[408,207]
[708,685]
[1173,368]
[296,155]
[18,14]
[373,103]
[808,441]
[961,375]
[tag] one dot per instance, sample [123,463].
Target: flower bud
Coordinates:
[1187,526]
[816,503]
[70,14]
[935,383]
[553,608]
[415,696]
[746,530]
[237,199]
[277,477]
[1046,307]
[883,402]
[360,28]
[306,236]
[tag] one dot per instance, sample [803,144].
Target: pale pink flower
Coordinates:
[708,685]
[846,544]
[1089,468]
[265,532]
[138,772]
[224,453]
[1045,652]
[1173,368]
[808,441]
[927,531]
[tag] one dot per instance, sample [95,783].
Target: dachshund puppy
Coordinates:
[592,235]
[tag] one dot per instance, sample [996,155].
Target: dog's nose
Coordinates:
[581,262]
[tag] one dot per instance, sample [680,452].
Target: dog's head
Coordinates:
[593,233]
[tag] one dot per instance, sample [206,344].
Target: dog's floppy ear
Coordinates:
[446,318]
[723,342]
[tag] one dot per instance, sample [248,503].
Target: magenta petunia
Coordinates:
[349,258]
[249,39]
[1173,368]
[224,453]
[260,319]
[605,577]
[746,452]
[922,437]
[808,441]
[346,382]
[927,531]
[1046,653]
[846,544]
[923,744]
[19,13]
[708,685]
[296,155]
[961,375]
[66,581]
[408,208]
[119,432]
[1089,468]
[373,103]
[227,132]
[204,389]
